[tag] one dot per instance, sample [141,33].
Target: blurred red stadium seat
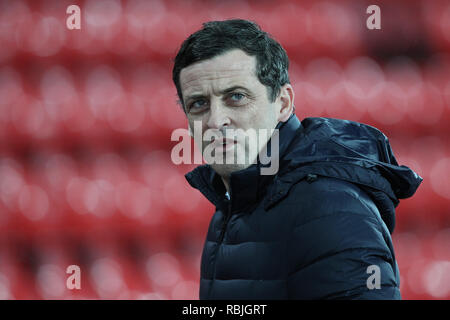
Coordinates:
[86,118]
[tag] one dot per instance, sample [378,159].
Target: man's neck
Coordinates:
[225,181]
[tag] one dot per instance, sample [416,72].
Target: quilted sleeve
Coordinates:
[339,246]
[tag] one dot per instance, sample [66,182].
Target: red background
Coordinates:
[86,117]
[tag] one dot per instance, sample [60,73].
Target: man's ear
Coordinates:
[286,99]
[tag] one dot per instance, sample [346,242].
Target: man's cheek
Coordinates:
[246,150]
[196,130]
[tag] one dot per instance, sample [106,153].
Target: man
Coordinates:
[316,228]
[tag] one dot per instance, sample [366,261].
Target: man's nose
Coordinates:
[218,116]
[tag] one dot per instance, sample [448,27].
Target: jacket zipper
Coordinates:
[224,226]
[219,243]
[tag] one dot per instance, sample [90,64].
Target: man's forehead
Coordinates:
[233,65]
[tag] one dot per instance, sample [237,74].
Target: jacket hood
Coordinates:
[341,149]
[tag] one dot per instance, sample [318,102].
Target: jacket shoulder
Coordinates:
[330,197]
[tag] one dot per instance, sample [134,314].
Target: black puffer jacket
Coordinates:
[312,230]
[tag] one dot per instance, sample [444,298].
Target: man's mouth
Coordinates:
[223,145]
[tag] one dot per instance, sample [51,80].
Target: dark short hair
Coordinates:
[218,37]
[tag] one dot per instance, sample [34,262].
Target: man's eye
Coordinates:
[197,104]
[237,96]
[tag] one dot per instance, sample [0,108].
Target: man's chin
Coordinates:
[224,170]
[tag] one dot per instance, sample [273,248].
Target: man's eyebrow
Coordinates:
[225,91]
[233,88]
[195,96]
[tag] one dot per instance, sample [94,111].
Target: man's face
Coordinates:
[224,93]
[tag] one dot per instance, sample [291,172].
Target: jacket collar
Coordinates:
[247,186]
[340,149]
